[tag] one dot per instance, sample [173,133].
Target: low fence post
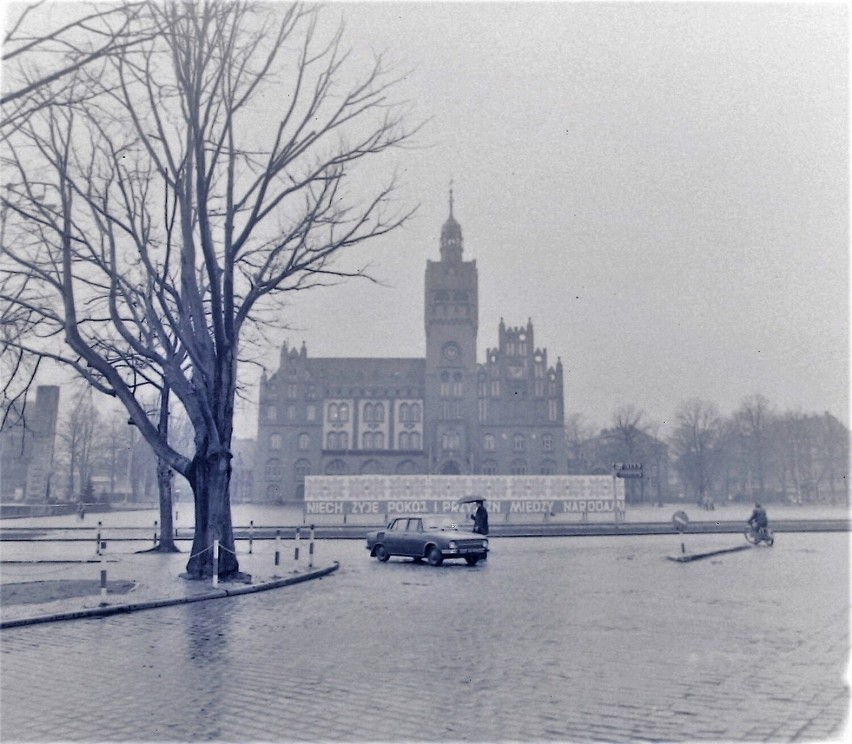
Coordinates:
[98,539]
[251,535]
[215,563]
[156,524]
[102,551]
[311,549]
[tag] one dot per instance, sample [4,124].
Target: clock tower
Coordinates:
[451,317]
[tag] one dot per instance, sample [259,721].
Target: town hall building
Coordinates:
[445,414]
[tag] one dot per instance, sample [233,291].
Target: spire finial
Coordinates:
[451,197]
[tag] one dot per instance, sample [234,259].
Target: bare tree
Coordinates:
[626,432]
[696,445]
[80,442]
[156,221]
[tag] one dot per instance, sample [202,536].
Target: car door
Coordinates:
[412,538]
[394,536]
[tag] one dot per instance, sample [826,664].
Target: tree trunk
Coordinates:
[164,482]
[209,476]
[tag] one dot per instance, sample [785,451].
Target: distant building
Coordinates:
[443,414]
[26,448]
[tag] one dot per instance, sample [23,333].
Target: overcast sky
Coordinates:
[662,188]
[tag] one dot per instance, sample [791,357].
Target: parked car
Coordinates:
[435,538]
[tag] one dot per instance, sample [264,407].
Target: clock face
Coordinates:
[451,351]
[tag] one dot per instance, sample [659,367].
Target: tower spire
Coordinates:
[451,197]
[451,234]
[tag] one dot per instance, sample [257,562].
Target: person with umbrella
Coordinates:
[480,519]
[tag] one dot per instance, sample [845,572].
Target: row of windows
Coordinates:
[407,440]
[301,468]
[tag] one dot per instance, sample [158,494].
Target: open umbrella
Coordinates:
[470,499]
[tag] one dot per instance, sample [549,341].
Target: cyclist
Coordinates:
[758,520]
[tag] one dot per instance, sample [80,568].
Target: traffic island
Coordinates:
[104,609]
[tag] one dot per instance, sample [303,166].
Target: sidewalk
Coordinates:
[60,585]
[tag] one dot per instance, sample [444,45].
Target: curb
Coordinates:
[151,604]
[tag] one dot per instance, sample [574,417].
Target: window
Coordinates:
[552,410]
[304,442]
[344,412]
[450,440]
[301,469]
[495,388]
[518,467]
[373,440]
[292,391]
[271,413]
[274,469]
[405,440]
[291,413]
[445,384]
[368,412]
[547,442]
[518,443]
[333,412]
[312,413]
[337,440]
[489,443]
[336,467]
[457,385]
[483,410]
[489,467]
[275,442]
[548,467]
[404,412]
[415,412]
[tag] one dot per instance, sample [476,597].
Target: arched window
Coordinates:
[275,441]
[548,467]
[333,412]
[547,442]
[271,413]
[336,467]
[457,385]
[518,467]
[344,412]
[379,412]
[406,467]
[304,442]
[518,443]
[404,412]
[489,467]
[445,384]
[415,412]
[372,467]
[415,440]
[489,443]
[368,412]
[274,469]
[450,440]
[405,440]
[302,468]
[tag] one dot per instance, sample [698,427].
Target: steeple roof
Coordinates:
[451,236]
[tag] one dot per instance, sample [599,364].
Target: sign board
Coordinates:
[680,521]
[394,495]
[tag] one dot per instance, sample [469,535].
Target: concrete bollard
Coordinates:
[251,535]
[296,550]
[277,547]
[156,524]
[98,539]
[215,563]
[311,549]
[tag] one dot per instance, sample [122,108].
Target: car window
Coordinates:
[415,525]
[397,525]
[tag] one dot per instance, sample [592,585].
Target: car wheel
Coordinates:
[381,553]
[434,556]
[472,560]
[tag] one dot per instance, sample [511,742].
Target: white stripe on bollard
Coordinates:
[215,563]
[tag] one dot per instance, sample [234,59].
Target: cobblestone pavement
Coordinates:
[566,639]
